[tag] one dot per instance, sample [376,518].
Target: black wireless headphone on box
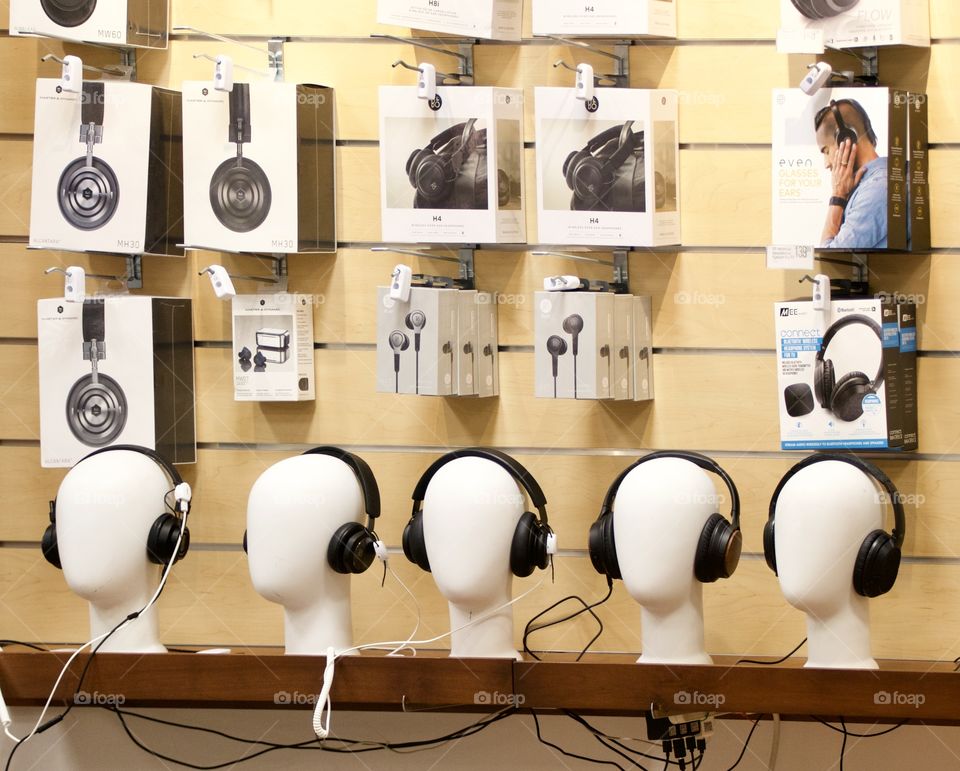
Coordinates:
[352,546]
[844,397]
[718,550]
[530,540]
[239,189]
[823,9]
[843,131]
[451,171]
[878,560]
[164,532]
[68,13]
[592,173]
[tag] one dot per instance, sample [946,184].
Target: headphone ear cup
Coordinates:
[824,380]
[770,546]
[432,175]
[570,165]
[529,547]
[49,546]
[162,540]
[718,550]
[877,565]
[413,162]
[245,550]
[844,134]
[847,401]
[414,547]
[603,547]
[351,549]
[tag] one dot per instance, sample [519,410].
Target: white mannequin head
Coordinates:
[293,510]
[105,508]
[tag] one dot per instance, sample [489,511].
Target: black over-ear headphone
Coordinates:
[239,189]
[68,13]
[434,170]
[165,530]
[718,550]
[529,548]
[352,547]
[591,172]
[878,560]
[823,9]
[88,190]
[844,132]
[844,397]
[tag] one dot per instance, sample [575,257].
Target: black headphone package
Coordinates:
[107,169]
[607,167]
[136,23]
[259,167]
[116,370]
[825,194]
[489,19]
[603,18]
[852,24]
[451,169]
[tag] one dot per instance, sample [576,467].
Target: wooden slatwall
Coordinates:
[715,366]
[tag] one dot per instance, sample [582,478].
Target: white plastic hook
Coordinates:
[585,81]
[223,73]
[427,81]
[71,74]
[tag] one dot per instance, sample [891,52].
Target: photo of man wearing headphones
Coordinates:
[857,211]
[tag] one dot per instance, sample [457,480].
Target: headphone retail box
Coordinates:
[259,167]
[907,325]
[468,340]
[619,18]
[116,370]
[919,168]
[273,348]
[488,346]
[607,170]
[823,196]
[839,375]
[574,341]
[857,23]
[492,19]
[642,349]
[454,174]
[139,23]
[107,169]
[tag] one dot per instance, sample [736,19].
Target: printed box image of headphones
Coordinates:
[845,132]
[823,9]
[240,193]
[451,171]
[415,321]
[88,190]
[68,13]
[843,397]
[557,347]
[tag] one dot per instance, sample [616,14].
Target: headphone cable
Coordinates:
[529,629]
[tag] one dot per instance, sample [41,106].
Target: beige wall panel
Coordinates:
[944,19]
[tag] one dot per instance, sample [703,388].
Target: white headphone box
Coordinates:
[488,342]
[142,389]
[622,354]
[607,171]
[626,18]
[492,19]
[641,341]
[859,23]
[138,23]
[107,169]
[468,341]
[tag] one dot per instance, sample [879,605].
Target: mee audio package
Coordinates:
[616,18]
[494,19]
[857,23]
[259,167]
[116,370]
[139,23]
[907,323]
[827,196]
[839,376]
[452,174]
[574,345]
[107,169]
[607,169]
[273,348]
[417,342]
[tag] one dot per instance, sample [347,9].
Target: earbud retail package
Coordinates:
[823,196]
[452,174]
[605,17]
[116,370]
[496,19]
[468,340]
[642,349]
[488,354]
[273,348]
[259,169]
[607,170]
[107,169]
[139,23]
[854,23]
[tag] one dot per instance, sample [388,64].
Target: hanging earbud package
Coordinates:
[107,169]
[853,23]
[607,167]
[109,22]
[492,19]
[616,18]
[259,167]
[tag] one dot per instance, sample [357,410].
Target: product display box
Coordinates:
[837,371]
[488,346]
[116,370]
[607,177]
[856,23]
[495,19]
[617,18]
[907,323]
[574,340]
[642,349]
[259,167]
[454,175]
[468,341]
[139,23]
[273,348]
[918,137]
[107,169]
[820,202]
[623,332]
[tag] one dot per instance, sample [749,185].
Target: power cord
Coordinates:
[603,738]
[8,643]
[845,730]
[562,751]
[746,744]
[529,629]
[778,661]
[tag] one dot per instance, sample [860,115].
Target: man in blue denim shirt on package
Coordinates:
[857,214]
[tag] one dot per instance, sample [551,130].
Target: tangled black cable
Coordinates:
[529,629]
[778,661]
[603,738]
[746,743]
[562,751]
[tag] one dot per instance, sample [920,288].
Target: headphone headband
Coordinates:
[240,113]
[626,144]
[92,102]
[707,464]
[846,321]
[900,519]
[364,474]
[172,472]
[466,136]
[516,470]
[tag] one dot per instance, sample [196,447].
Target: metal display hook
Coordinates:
[274,49]
[465,258]
[213,59]
[441,78]
[123,70]
[132,279]
[464,56]
[621,55]
[620,264]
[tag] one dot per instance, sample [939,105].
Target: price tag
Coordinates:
[790,258]
[800,41]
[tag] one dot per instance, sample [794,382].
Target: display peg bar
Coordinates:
[464,56]
[620,264]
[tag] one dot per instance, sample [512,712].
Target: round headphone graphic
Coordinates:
[823,9]
[353,546]
[591,172]
[843,131]
[878,560]
[844,396]
[68,13]
[531,546]
[165,530]
[434,170]
[720,544]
